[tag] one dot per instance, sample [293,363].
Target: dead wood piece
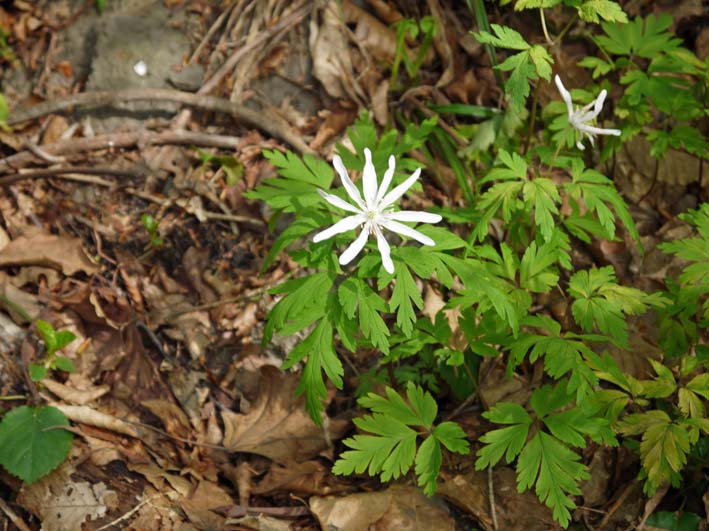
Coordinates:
[271,125]
[117,141]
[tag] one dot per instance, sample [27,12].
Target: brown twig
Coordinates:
[82,170]
[271,125]
[293,18]
[21,525]
[118,141]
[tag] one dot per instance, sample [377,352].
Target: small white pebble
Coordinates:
[140,68]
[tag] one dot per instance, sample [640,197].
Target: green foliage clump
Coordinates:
[526,199]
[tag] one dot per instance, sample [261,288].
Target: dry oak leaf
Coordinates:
[398,507]
[277,425]
[58,252]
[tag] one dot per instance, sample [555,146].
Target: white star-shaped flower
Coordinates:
[580,118]
[375,211]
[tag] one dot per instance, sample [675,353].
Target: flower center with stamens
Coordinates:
[371,214]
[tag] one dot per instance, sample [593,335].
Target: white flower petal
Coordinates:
[402,229]
[337,202]
[386,180]
[565,94]
[591,130]
[356,246]
[411,215]
[369,180]
[384,250]
[580,145]
[350,188]
[345,224]
[597,106]
[400,190]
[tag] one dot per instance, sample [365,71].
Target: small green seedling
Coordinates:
[100,6]
[54,340]
[409,27]
[233,167]
[151,225]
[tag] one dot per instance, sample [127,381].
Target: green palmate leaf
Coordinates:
[319,354]
[428,464]
[644,38]
[594,10]
[599,66]
[535,4]
[390,450]
[32,443]
[423,413]
[405,293]
[599,195]
[503,37]
[555,470]
[563,354]
[600,301]
[452,436]
[531,62]
[541,194]
[535,271]
[357,297]
[664,446]
[505,441]
[301,307]
[296,189]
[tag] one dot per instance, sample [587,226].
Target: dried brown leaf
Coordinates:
[58,252]
[277,425]
[469,491]
[64,505]
[398,507]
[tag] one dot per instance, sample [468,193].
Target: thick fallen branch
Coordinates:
[117,141]
[270,124]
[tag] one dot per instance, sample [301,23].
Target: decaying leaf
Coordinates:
[64,505]
[332,65]
[469,491]
[58,252]
[277,425]
[398,507]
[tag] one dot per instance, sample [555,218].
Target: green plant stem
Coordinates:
[567,27]
[550,41]
[14,397]
[532,118]
[478,9]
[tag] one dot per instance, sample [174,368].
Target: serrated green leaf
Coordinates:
[318,348]
[428,464]
[504,37]
[452,436]
[505,441]
[390,453]
[404,296]
[594,10]
[555,472]
[700,385]
[541,193]
[32,443]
